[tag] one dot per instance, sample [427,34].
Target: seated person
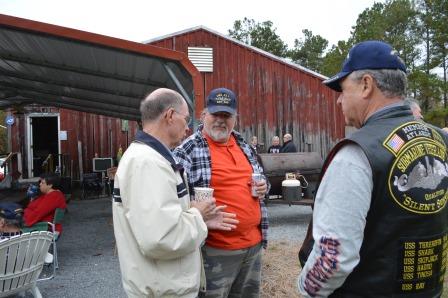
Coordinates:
[11,220]
[42,208]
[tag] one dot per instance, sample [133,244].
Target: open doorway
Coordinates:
[43,137]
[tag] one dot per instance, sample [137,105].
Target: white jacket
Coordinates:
[158,235]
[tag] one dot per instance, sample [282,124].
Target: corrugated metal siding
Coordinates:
[98,134]
[73,69]
[274,97]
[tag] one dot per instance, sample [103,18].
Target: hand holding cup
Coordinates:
[203,194]
[214,216]
[204,202]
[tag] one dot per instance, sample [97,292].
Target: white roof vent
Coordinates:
[202,58]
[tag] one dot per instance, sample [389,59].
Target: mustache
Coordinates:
[219,125]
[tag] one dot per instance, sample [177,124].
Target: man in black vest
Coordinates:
[380,215]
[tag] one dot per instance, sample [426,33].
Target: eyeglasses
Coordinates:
[187,118]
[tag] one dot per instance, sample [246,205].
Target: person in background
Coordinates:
[415,108]
[11,220]
[119,153]
[381,202]
[43,207]
[216,156]
[157,229]
[254,143]
[257,148]
[288,145]
[275,147]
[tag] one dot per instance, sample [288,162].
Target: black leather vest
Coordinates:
[405,239]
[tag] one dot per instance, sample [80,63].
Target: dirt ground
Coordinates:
[92,261]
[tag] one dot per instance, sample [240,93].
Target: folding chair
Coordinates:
[45,226]
[91,184]
[21,262]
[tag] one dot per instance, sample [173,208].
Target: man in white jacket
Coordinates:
[157,229]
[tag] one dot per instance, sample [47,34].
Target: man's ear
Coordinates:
[169,114]
[368,85]
[2,222]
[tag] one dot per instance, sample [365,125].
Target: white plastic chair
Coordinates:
[45,226]
[21,261]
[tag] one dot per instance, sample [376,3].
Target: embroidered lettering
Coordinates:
[324,266]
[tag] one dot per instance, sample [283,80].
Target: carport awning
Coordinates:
[62,67]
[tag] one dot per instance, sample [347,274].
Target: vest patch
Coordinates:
[419,167]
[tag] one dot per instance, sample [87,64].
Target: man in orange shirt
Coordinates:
[216,156]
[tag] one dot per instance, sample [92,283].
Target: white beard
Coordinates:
[218,135]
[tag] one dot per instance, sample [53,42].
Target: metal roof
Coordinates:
[62,67]
[260,51]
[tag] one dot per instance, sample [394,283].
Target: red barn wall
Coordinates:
[98,134]
[274,97]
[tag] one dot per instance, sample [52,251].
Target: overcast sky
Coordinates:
[139,20]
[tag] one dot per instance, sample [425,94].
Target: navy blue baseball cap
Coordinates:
[372,54]
[221,100]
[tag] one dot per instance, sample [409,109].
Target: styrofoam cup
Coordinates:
[203,193]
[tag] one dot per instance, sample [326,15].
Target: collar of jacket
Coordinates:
[147,139]
[391,111]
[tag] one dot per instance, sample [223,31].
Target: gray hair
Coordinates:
[159,101]
[391,82]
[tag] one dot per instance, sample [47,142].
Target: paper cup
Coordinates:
[203,193]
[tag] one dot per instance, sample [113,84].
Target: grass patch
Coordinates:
[280,270]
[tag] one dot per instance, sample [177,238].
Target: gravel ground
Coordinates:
[88,264]
[288,222]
